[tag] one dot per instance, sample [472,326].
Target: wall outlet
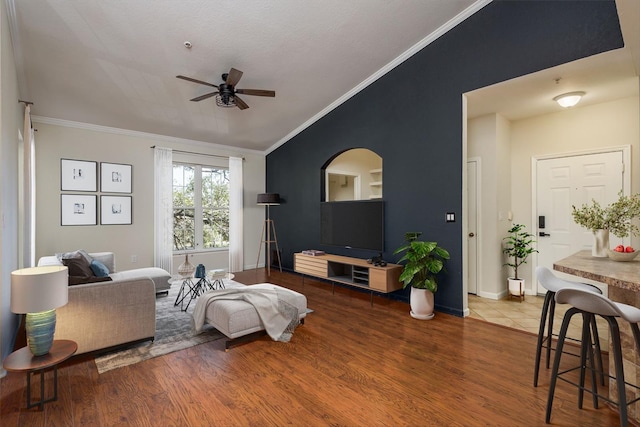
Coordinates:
[134,258]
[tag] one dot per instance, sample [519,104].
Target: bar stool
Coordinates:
[553,284]
[589,305]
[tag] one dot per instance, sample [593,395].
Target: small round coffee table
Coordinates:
[23,361]
[217,276]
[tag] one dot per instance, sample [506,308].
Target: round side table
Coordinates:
[23,361]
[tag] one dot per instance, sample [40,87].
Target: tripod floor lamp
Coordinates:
[269,230]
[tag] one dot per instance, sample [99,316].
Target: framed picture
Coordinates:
[115,178]
[77,209]
[78,175]
[115,210]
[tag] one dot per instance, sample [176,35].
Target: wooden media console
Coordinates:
[350,271]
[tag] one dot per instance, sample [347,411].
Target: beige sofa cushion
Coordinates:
[158,276]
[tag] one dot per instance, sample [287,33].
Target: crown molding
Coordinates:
[384,70]
[146,135]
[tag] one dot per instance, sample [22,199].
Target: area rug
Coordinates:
[173,332]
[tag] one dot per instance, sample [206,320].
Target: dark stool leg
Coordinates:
[556,363]
[617,357]
[552,312]
[586,353]
[543,320]
[596,342]
[636,335]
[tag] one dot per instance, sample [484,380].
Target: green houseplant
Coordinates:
[422,263]
[518,245]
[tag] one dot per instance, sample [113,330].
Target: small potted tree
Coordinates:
[517,247]
[422,263]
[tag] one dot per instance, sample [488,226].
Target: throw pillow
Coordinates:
[78,267]
[99,269]
[74,254]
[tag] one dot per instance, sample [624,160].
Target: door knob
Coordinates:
[543,234]
[471,234]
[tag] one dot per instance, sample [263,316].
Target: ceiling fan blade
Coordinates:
[257,92]
[240,103]
[189,79]
[234,77]
[205,96]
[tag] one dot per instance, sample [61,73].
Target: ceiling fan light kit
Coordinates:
[569,99]
[226,95]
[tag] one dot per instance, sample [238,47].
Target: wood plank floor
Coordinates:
[350,364]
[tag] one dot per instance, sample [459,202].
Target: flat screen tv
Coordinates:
[354,224]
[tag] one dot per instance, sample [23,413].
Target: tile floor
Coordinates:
[525,315]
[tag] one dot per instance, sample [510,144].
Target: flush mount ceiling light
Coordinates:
[570,99]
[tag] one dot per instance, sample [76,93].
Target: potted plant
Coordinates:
[614,218]
[517,247]
[422,263]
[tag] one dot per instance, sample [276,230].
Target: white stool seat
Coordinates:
[553,283]
[598,305]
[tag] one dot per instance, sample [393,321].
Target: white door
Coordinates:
[472,226]
[572,181]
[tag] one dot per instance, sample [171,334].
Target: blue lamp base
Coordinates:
[40,328]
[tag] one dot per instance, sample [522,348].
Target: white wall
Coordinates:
[488,139]
[506,150]
[10,123]
[55,141]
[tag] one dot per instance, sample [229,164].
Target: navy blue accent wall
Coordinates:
[412,117]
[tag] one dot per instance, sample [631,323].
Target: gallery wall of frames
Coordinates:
[79,183]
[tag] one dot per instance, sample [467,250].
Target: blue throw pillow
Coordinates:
[99,269]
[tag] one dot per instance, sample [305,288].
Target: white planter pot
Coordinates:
[600,243]
[516,287]
[421,304]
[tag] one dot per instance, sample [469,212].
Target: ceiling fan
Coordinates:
[226,95]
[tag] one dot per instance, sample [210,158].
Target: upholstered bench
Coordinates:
[239,321]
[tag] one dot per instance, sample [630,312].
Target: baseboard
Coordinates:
[493,295]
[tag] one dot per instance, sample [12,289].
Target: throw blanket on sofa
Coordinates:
[278,317]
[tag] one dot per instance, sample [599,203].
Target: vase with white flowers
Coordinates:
[615,218]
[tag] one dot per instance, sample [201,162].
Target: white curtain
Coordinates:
[29,189]
[236,249]
[163,207]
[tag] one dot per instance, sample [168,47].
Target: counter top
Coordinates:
[624,275]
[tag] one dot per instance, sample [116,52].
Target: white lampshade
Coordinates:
[570,99]
[38,289]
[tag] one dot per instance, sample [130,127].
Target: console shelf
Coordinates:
[349,271]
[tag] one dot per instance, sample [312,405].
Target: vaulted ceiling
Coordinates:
[115,63]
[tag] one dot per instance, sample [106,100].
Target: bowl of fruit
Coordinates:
[622,253]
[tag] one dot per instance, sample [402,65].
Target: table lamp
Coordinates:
[38,291]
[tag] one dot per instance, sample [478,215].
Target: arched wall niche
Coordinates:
[354,174]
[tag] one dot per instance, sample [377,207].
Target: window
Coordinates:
[200,207]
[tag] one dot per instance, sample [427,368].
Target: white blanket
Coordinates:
[264,300]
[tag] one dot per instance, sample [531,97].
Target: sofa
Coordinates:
[161,278]
[105,314]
